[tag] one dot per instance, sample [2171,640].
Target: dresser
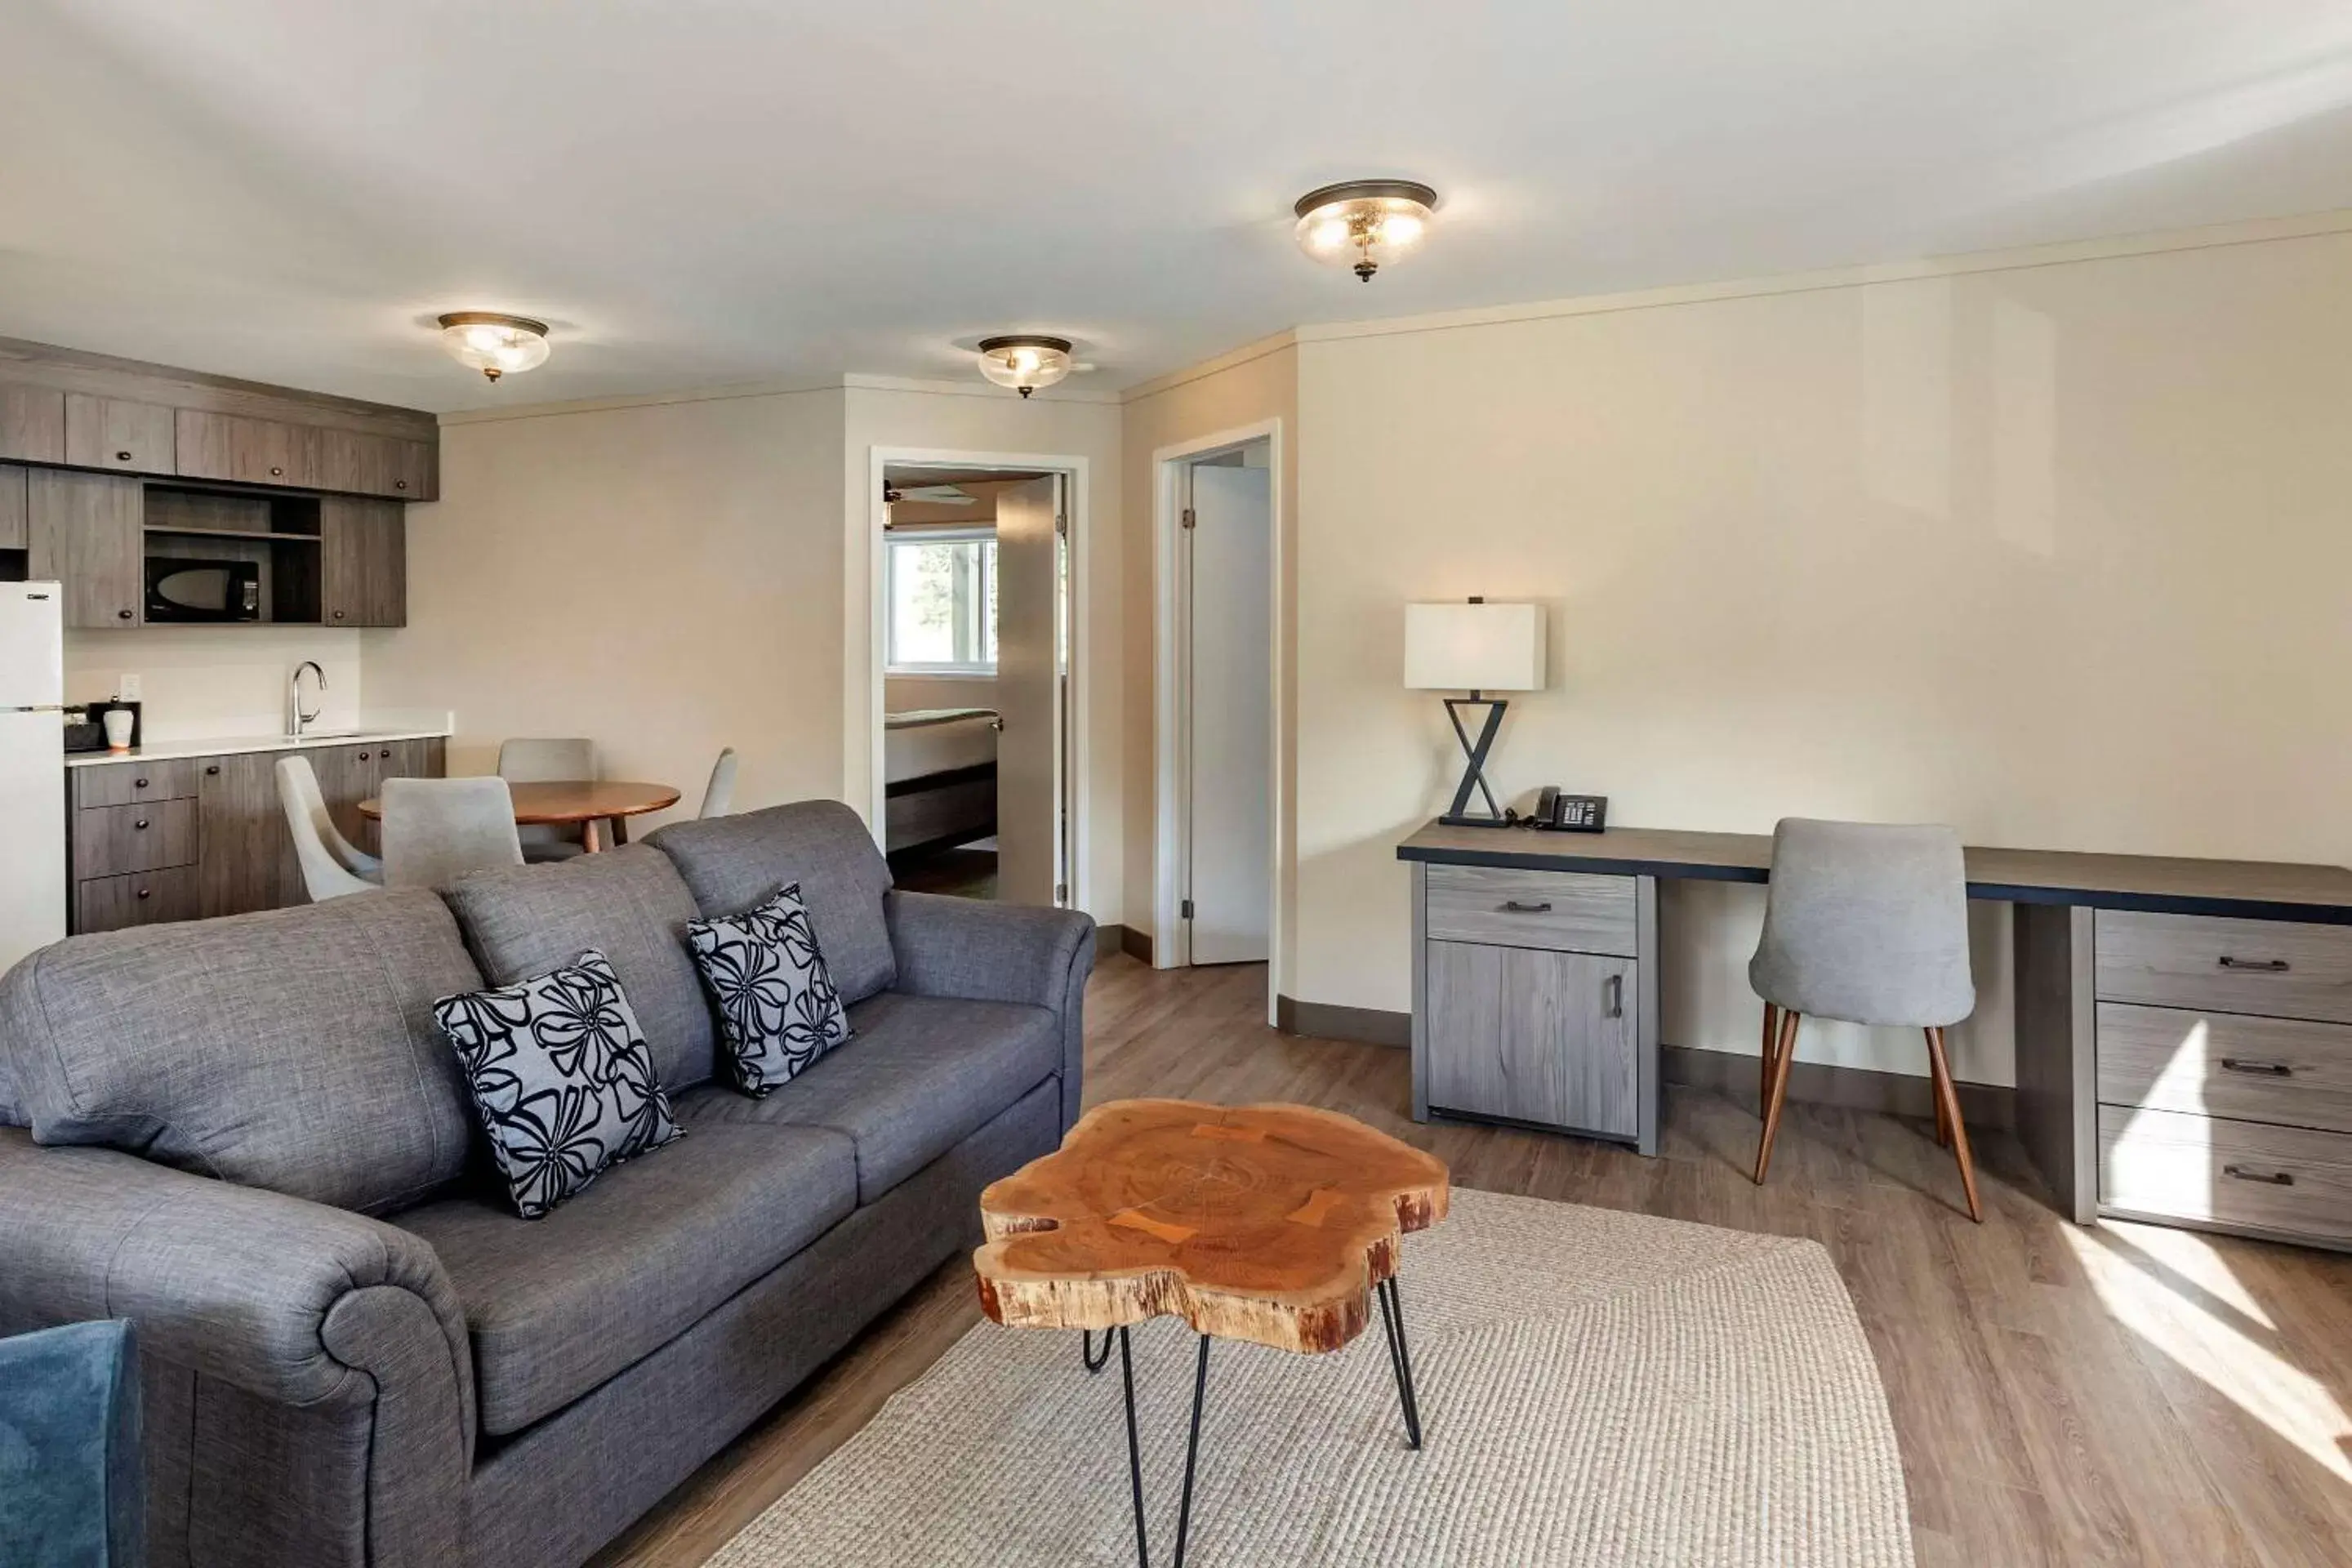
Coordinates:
[2184,1026]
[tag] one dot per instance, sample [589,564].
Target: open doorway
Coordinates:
[972,605]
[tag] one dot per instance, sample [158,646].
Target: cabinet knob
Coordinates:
[144,891]
[385,755]
[277,473]
[400,484]
[123,615]
[338,615]
[141,825]
[138,784]
[122,457]
[211,768]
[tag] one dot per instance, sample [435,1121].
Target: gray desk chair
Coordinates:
[1869,923]
[331,866]
[548,761]
[719,795]
[438,830]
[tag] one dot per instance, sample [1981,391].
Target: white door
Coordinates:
[1029,679]
[1229,551]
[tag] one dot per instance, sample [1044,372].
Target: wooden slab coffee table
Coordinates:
[1278,1225]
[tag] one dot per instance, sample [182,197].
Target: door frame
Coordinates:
[1171,941]
[1077,770]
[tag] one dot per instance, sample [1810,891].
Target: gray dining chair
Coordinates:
[1867,922]
[719,795]
[331,865]
[548,761]
[438,830]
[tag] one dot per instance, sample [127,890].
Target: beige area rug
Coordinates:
[1596,1388]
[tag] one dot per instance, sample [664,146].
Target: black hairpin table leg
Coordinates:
[1135,1454]
[1086,1350]
[1134,1451]
[1399,1357]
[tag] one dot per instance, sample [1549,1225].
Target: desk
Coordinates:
[2184,1026]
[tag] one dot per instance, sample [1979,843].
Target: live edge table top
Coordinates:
[1266,1223]
[2248,889]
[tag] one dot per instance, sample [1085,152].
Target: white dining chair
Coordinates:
[719,795]
[331,865]
[529,760]
[438,830]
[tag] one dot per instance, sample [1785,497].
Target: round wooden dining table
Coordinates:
[589,804]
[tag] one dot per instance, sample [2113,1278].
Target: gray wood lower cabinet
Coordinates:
[1525,1035]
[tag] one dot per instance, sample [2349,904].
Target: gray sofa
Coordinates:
[248,1136]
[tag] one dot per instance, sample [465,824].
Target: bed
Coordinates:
[938,775]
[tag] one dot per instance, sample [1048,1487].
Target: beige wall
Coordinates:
[2057,554]
[198,683]
[901,693]
[948,418]
[663,578]
[1241,389]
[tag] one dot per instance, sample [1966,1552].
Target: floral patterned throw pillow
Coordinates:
[778,1010]
[562,1077]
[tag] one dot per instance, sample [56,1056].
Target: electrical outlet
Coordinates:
[126,688]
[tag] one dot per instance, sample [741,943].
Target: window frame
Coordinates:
[907,538]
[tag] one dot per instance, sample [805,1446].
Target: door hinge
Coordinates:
[1061,892]
[1187,910]
[1061,523]
[1189,519]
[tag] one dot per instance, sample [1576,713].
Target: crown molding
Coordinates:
[1065,392]
[640,400]
[1256,349]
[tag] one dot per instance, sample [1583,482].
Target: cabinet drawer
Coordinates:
[1559,911]
[2275,969]
[2279,1179]
[127,784]
[140,898]
[2283,1070]
[112,840]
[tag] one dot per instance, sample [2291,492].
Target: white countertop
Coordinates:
[224,745]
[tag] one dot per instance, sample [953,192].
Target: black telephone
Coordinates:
[1559,812]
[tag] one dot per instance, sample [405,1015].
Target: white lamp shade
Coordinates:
[1474,647]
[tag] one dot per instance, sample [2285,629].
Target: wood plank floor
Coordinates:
[2124,1393]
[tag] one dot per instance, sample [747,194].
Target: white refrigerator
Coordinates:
[32,768]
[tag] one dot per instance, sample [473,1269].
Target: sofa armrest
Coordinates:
[301,1304]
[1000,953]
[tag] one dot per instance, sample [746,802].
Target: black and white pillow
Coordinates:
[562,1077]
[778,1010]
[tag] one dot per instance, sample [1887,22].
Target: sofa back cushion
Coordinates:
[737,863]
[627,904]
[293,1049]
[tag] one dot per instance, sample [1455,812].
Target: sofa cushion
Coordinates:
[777,1009]
[293,1049]
[737,863]
[560,1075]
[917,1076]
[556,1306]
[627,904]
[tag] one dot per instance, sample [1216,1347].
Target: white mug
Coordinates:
[118,722]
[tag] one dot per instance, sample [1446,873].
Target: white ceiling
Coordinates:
[698,191]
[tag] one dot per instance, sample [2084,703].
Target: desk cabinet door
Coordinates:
[1530,1036]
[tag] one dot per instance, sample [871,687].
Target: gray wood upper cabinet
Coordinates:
[363,562]
[1532,1035]
[32,423]
[358,463]
[118,432]
[84,530]
[246,450]
[12,507]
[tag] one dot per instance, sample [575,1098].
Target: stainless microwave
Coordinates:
[203,590]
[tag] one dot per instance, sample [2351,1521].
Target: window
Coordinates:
[942,601]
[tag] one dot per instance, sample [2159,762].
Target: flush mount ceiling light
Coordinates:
[494,344]
[1025,361]
[1365,223]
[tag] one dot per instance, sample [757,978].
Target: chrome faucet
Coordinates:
[297,721]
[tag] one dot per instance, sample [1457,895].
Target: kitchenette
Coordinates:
[188,566]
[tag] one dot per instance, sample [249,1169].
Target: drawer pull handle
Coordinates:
[141,825]
[1515,907]
[122,457]
[1616,993]
[211,770]
[144,892]
[2258,965]
[2268,1178]
[2260,1070]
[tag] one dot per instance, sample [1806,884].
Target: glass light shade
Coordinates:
[1475,647]
[494,344]
[1364,224]
[1025,362]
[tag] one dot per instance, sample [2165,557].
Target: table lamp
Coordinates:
[1475,648]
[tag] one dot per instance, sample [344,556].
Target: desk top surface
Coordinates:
[2251,889]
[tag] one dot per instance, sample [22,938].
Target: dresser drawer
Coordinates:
[1559,912]
[2276,969]
[2283,1070]
[126,784]
[110,839]
[2284,1180]
[142,897]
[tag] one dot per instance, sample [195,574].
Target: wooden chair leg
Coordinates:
[1765,1055]
[1943,1122]
[1784,1057]
[1948,1101]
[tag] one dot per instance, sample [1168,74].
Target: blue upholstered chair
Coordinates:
[72,1492]
[1867,922]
